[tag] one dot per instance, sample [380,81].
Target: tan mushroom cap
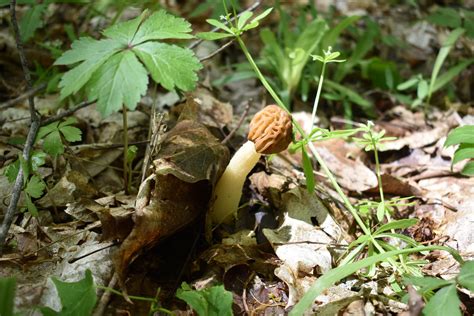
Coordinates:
[271,130]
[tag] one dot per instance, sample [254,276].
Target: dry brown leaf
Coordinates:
[178,190]
[351,174]
[396,186]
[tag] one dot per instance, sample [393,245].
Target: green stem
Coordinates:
[318,94]
[315,153]
[377,169]
[125,148]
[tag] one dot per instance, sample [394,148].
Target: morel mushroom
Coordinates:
[270,132]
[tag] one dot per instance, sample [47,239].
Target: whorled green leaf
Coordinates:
[308,171]
[169,65]
[444,302]
[466,276]
[120,80]
[462,134]
[397,224]
[212,36]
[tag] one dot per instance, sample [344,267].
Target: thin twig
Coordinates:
[22,97]
[104,300]
[30,139]
[241,120]
[217,51]
[66,113]
[253,7]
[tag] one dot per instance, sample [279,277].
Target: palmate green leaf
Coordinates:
[466,276]
[170,65]
[444,302]
[214,301]
[125,32]
[35,187]
[120,80]
[77,298]
[7,296]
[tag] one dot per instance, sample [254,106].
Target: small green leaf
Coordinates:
[11,171]
[71,133]
[444,302]
[31,206]
[7,296]
[398,224]
[422,90]
[53,144]
[131,153]
[466,275]
[212,36]
[214,301]
[308,171]
[35,187]
[31,21]
[219,25]
[243,18]
[38,158]
[380,211]
[262,15]
[408,84]
[77,298]
[462,134]
[445,17]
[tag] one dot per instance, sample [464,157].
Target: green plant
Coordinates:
[53,137]
[424,87]
[77,298]
[114,71]
[213,301]
[33,18]
[445,301]
[343,271]
[7,296]
[452,18]
[464,137]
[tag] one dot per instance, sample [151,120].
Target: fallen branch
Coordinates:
[66,113]
[35,121]
[27,94]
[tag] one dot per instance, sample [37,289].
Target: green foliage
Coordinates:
[7,296]
[445,301]
[77,298]
[33,17]
[464,137]
[452,18]
[114,70]
[332,276]
[424,87]
[54,133]
[214,301]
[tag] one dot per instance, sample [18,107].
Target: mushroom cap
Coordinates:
[271,130]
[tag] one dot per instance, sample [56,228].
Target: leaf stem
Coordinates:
[318,94]
[125,148]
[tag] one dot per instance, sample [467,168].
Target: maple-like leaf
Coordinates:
[109,70]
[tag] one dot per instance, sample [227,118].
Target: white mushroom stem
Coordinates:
[229,187]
